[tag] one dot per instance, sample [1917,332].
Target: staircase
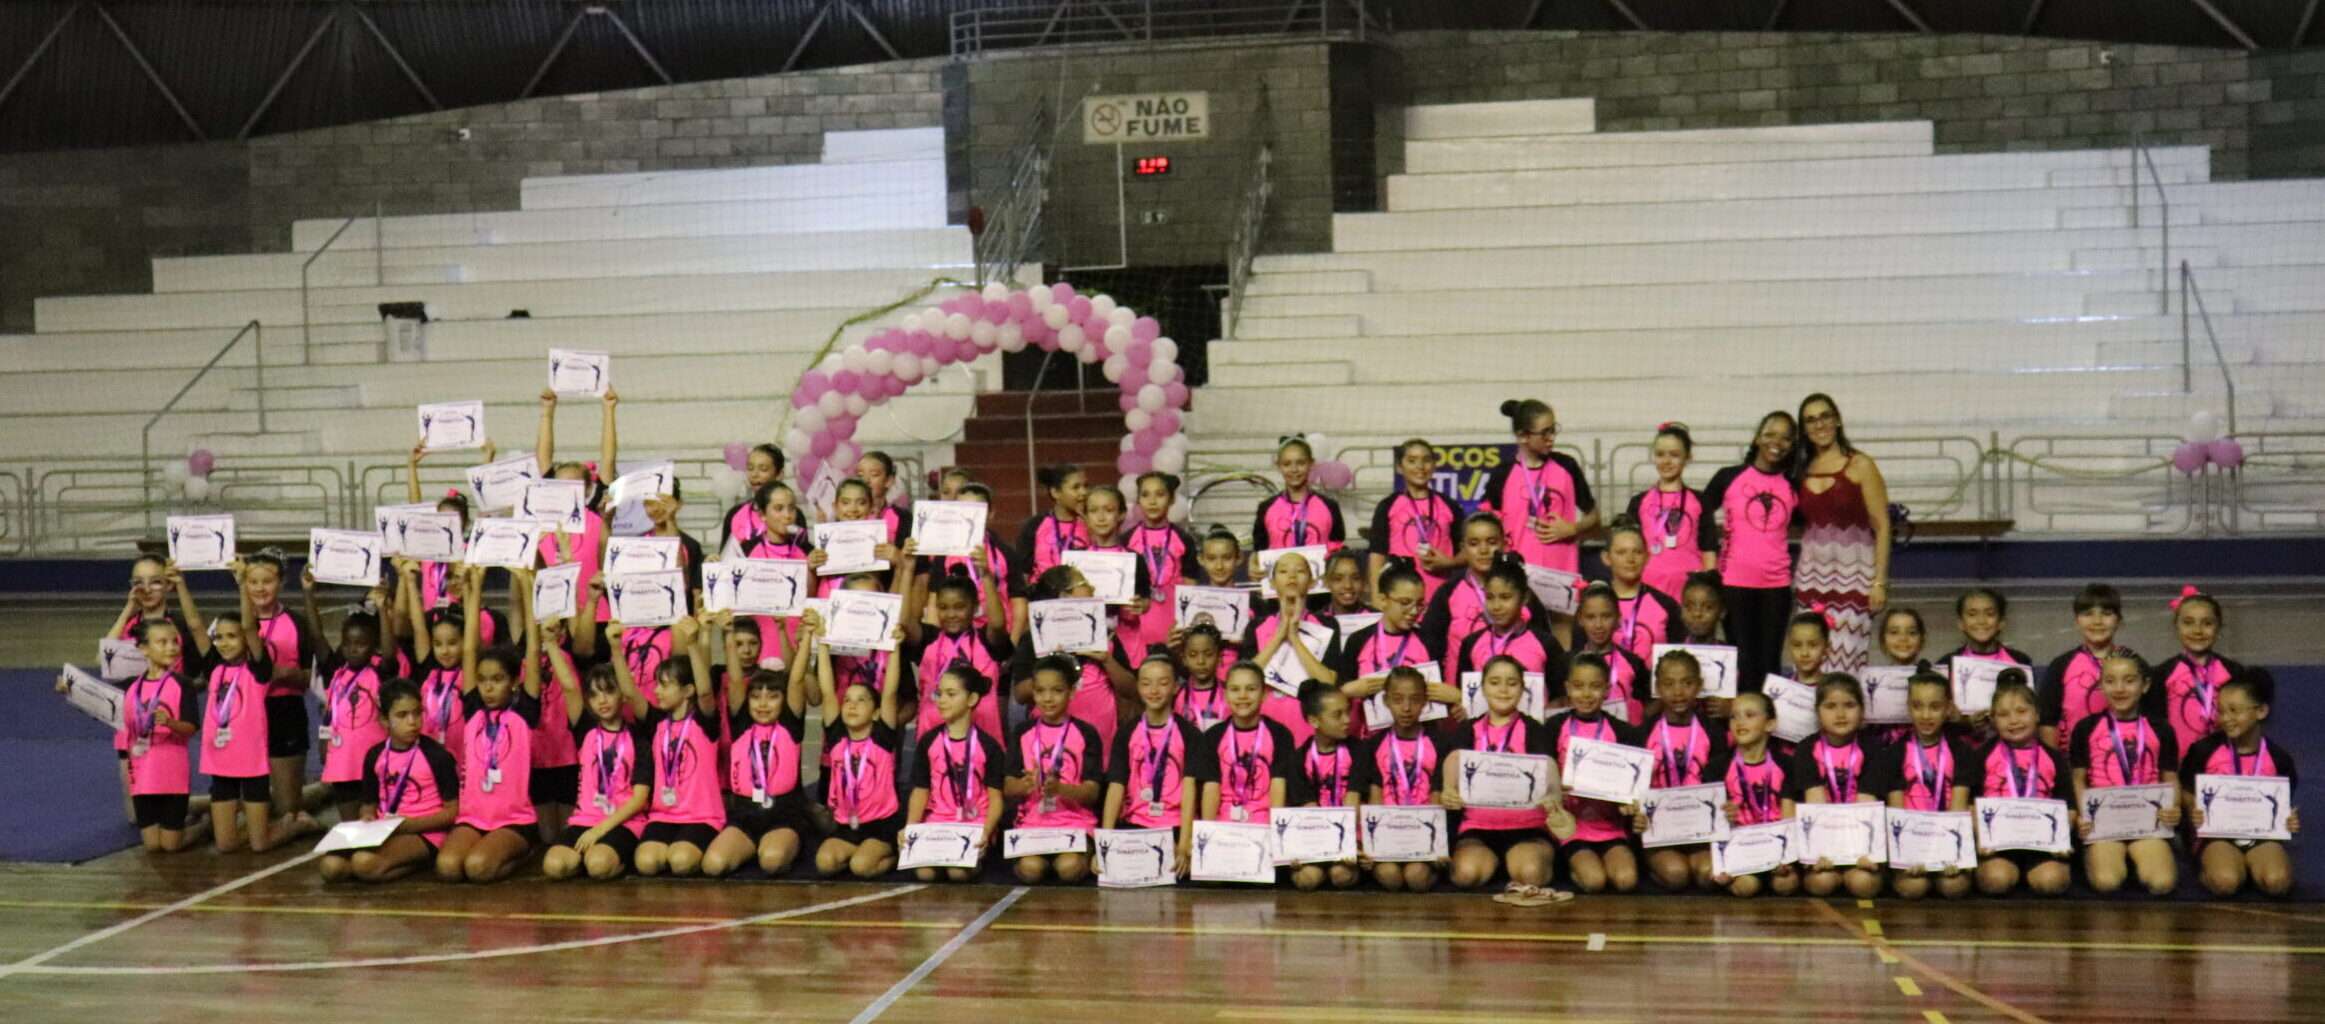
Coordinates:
[1081,427]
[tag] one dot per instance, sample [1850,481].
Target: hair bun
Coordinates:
[1509,407]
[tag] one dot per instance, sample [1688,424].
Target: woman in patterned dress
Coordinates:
[1844,543]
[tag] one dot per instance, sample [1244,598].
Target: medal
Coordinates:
[224,737]
[1238,813]
[669,796]
[139,748]
[604,805]
[759,796]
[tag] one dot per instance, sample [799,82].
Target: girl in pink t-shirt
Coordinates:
[1830,768]
[408,776]
[1251,757]
[1326,771]
[958,775]
[501,701]
[766,809]
[859,765]
[1602,854]
[1489,839]
[159,711]
[688,806]
[1596,618]
[1297,516]
[1644,615]
[1459,609]
[744,525]
[350,675]
[600,837]
[2124,746]
[1048,536]
[1542,496]
[779,536]
[1401,766]
[1920,771]
[1685,745]
[234,741]
[2238,748]
[1153,768]
[2187,686]
[957,640]
[1103,514]
[1168,549]
[995,572]
[1414,527]
[439,648]
[1754,503]
[1673,518]
[587,547]
[1056,774]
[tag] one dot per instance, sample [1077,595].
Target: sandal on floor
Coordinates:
[1517,894]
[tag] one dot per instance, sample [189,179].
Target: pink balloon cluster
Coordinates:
[200,462]
[2192,456]
[830,400]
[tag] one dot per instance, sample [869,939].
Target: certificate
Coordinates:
[1535,702]
[1379,718]
[346,557]
[385,518]
[95,697]
[1931,840]
[2125,813]
[504,543]
[949,529]
[1067,625]
[1314,553]
[1887,694]
[863,618]
[1396,835]
[1974,680]
[1227,851]
[119,660]
[1795,708]
[1356,622]
[940,844]
[429,536]
[579,373]
[851,547]
[718,592]
[1561,592]
[647,598]
[642,554]
[1717,663]
[1843,833]
[561,504]
[1227,609]
[1753,849]
[557,592]
[1136,858]
[201,542]
[501,485]
[764,586]
[1113,575]
[652,480]
[358,835]
[1313,835]
[1044,842]
[2245,806]
[1614,772]
[1285,671]
[1512,781]
[2009,823]
[446,426]
[1684,815]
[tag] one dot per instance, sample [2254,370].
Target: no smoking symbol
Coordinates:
[1106,119]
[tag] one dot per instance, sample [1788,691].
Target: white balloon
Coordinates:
[197,488]
[1122,316]
[1056,317]
[810,419]
[1071,338]
[1127,443]
[2203,427]
[983,334]
[910,323]
[1159,372]
[1181,509]
[1103,305]
[907,369]
[857,406]
[1041,297]
[932,319]
[1170,460]
[996,292]
[880,362]
[727,484]
[831,364]
[176,471]
[929,366]
[832,404]
[1166,350]
[1150,398]
[1118,337]
[1011,337]
[1115,364]
[852,359]
[1090,353]
[957,326]
[1137,419]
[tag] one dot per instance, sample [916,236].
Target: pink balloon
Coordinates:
[1133,463]
[1146,442]
[847,382]
[1020,306]
[738,456]
[1175,394]
[844,456]
[1145,328]
[1133,378]
[2190,457]
[1061,292]
[964,350]
[2224,452]
[821,444]
[1039,334]
[800,399]
[1077,309]
[1129,400]
[997,312]
[1139,353]
[1166,422]
[814,383]
[842,428]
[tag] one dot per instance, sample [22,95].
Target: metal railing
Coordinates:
[1017,24]
[252,330]
[1251,219]
[1013,222]
[2143,157]
[378,275]
[2192,296]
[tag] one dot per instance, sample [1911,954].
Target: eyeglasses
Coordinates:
[1549,431]
[1822,418]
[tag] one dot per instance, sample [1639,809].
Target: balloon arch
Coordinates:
[831,399]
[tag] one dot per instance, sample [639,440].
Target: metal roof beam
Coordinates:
[555,49]
[2033,14]
[822,14]
[2308,18]
[330,18]
[33,58]
[2226,23]
[873,30]
[151,75]
[1629,15]
[638,44]
[1775,14]
[396,56]
[1906,11]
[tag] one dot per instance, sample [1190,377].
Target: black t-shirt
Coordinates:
[1310,774]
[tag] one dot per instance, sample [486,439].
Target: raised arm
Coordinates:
[795,696]
[569,686]
[313,608]
[412,470]
[531,675]
[472,578]
[689,632]
[187,608]
[607,447]
[411,608]
[545,442]
[892,683]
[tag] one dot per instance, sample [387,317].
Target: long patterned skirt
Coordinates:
[1835,573]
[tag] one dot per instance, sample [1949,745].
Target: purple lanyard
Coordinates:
[851,762]
[1679,760]
[445,691]
[1424,528]
[1653,514]
[1832,772]
[962,759]
[1630,623]
[145,706]
[1157,555]
[1328,775]
[1485,735]
[762,758]
[1052,761]
[1242,767]
[609,762]
[395,797]
[1159,752]
[1932,778]
[673,749]
[492,738]
[2200,682]
[2236,759]
[2021,780]
[1407,771]
[2131,757]
[1396,658]
[227,702]
[1299,523]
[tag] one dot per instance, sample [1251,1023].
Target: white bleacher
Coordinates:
[712,289]
[1634,277]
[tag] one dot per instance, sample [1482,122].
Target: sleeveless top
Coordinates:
[1842,504]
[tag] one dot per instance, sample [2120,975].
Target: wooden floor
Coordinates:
[125,937]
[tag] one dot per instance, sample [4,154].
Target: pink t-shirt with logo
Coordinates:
[1519,735]
[1403,524]
[2070,690]
[1756,536]
[1150,762]
[1683,750]
[496,777]
[2000,769]
[589,551]
[1672,523]
[1529,641]
[609,776]
[685,776]
[2189,690]
[1283,522]
[1068,752]
[234,722]
[2120,753]
[1595,820]
[1925,773]
[160,762]
[645,648]
[554,748]
[960,775]
[860,774]
[764,759]
[410,782]
[1554,490]
[440,718]
[351,712]
[1166,550]
[941,652]
[1245,761]
[1406,769]
[1645,619]
[1757,790]
[284,646]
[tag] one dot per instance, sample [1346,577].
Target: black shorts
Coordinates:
[240,789]
[2026,860]
[347,792]
[1566,851]
[1502,840]
[884,830]
[671,832]
[619,839]
[167,810]
[555,785]
[286,726]
[755,821]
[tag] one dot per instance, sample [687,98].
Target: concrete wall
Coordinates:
[2288,116]
[90,220]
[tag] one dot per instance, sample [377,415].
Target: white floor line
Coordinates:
[937,959]
[29,967]
[31,964]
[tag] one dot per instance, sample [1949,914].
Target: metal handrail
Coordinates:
[1015,24]
[1243,248]
[378,274]
[2190,291]
[2143,154]
[255,331]
[1014,223]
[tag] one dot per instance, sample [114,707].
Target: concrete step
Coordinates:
[669,220]
[1514,117]
[1648,149]
[793,181]
[883,145]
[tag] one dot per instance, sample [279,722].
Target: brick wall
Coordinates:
[2288,114]
[90,220]
[1985,93]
